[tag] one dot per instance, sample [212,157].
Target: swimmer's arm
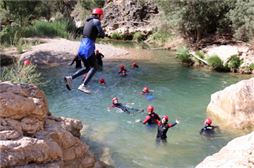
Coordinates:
[146,119]
[174,124]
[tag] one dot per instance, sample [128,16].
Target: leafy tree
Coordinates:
[197,19]
[21,11]
[242,18]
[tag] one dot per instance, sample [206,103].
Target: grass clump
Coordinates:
[234,62]
[116,36]
[20,73]
[138,36]
[58,28]
[183,55]
[216,63]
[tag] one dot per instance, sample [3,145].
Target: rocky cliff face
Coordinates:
[31,137]
[234,106]
[128,17]
[237,153]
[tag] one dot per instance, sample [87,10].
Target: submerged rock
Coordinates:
[234,106]
[237,153]
[31,137]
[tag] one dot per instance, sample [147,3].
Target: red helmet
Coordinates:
[166,117]
[26,62]
[145,90]
[208,121]
[134,65]
[97,11]
[102,81]
[150,108]
[122,66]
[114,99]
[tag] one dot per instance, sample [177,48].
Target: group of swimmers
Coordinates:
[91,58]
[153,119]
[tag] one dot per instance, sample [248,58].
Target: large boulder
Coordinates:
[234,106]
[31,137]
[237,153]
[128,17]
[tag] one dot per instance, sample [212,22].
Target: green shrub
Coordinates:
[234,62]
[19,73]
[159,37]
[216,63]
[138,36]
[252,66]
[242,18]
[197,19]
[116,36]
[184,55]
[58,28]
[200,54]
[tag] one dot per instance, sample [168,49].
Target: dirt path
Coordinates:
[57,51]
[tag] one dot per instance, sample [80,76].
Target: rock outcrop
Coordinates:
[237,153]
[31,137]
[127,17]
[234,106]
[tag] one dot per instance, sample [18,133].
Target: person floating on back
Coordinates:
[91,31]
[134,65]
[163,127]
[116,104]
[99,57]
[208,130]
[152,118]
[77,60]
[122,72]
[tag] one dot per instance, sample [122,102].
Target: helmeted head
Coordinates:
[96,51]
[164,119]
[122,67]
[145,90]
[150,109]
[208,121]
[114,100]
[98,12]
[102,81]
[134,65]
[26,62]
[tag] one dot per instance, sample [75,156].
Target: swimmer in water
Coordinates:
[208,130]
[116,104]
[163,127]
[122,72]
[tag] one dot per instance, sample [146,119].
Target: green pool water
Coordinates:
[180,92]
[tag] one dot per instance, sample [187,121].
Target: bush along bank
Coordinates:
[237,58]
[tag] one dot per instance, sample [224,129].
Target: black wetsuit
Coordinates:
[91,31]
[208,130]
[152,118]
[78,62]
[162,131]
[99,57]
[126,109]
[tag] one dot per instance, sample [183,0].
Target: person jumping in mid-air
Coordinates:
[91,31]
[163,127]
[208,130]
[116,104]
